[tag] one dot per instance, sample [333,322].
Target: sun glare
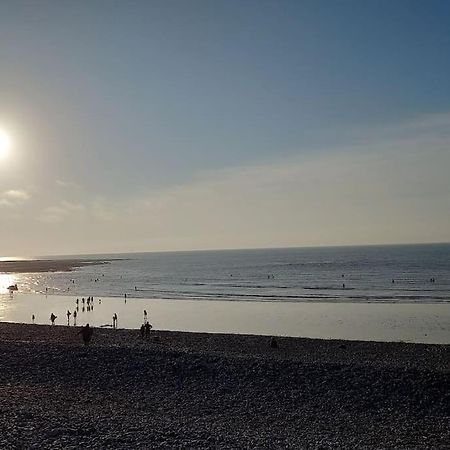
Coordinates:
[5,144]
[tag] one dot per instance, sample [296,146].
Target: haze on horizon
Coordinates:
[173,125]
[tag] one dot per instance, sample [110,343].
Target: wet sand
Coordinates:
[409,322]
[41,265]
[194,390]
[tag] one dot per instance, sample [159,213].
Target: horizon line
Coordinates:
[398,244]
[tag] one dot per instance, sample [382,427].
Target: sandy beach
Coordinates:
[193,390]
[44,265]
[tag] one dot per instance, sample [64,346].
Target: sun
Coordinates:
[5,144]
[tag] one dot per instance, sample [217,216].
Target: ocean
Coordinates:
[363,274]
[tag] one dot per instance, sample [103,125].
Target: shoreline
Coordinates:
[47,265]
[218,391]
[422,323]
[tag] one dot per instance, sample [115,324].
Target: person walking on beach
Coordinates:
[52,318]
[32,318]
[68,317]
[115,320]
[86,333]
[74,318]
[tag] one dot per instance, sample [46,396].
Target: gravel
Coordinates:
[209,391]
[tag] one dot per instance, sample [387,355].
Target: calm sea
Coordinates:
[402,274]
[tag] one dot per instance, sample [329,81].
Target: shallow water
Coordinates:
[378,322]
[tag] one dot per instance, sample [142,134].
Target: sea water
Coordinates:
[370,293]
[399,274]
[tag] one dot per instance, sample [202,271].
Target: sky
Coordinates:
[183,125]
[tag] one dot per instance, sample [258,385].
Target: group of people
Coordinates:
[146,326]
[87,331]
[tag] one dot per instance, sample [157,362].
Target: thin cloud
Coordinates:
[13,198]
[67,184]
[58,213]
[16,194]
[5,202]
[390,189]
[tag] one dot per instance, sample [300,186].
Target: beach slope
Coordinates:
[191,390]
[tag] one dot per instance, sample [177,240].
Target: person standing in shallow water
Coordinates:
[86,333]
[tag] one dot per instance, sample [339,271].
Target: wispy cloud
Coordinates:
[57,213]
[67,184]
[391,188]
[16,194]
[13,198]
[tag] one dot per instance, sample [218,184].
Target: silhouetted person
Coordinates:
[148,327]
[393,281]
[74,317]
[145,316]
[77,301]
[273,343]
[32,318]
[86,333]
[68,317]
[142,330]
[83,300]
[115,320]
[343,285]
[52,318]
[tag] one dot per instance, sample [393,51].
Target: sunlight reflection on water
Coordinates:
[380,322]
[6,280]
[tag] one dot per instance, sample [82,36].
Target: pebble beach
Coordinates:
[218,391]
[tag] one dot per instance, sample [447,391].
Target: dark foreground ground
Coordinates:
[186,390]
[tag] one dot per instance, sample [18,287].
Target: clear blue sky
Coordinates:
[128,98]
